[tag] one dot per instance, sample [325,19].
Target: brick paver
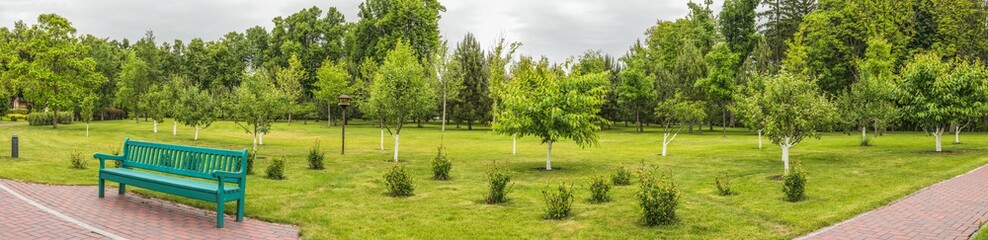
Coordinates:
[128,216]
[952,209]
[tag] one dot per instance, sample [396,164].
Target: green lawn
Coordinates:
[347,200]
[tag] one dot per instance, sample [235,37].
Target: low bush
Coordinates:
[113,114]
[499,186]
[441,165]
[116,151]
[78,162]
[558,202]
[599,190]
[724,185]
[45,118]
[12,118]
[658,198]
[276,170]
[316,157]
[399,182]
[250,161]
[19,111]
[794,184]
[622,177]
[865,142]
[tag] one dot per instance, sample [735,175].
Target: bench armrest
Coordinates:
[103,157]
[225,174]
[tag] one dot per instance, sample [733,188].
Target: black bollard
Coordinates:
[13,146]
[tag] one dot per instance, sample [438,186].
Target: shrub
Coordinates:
[316,157]
[441,165]
[499,188]
[658,198]
[865,142]
[45,118]
[399,182]
[113,114]
[558,202]
[599,190]
[276,170]
[793,184]
[78,162]
[19,111]
[622,177]
[250,161]
[724,185]
[116,151]
[12,118]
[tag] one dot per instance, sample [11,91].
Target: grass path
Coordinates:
[347,199]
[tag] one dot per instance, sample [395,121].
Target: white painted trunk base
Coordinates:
[396,148]
[87,129]
[260,139]
[514,144]
[197,133]
[382,139]
[759,139]
[174,128]
[155,126]
[548,158]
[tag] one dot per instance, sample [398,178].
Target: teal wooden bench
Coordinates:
[159,166]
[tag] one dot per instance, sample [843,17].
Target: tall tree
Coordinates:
[312,36]
[498,59]
[780,20]
[53,68]
[156,104]
[933,93]
[384,23]
[196,107]
[474,103]
[135,79]
[636,91]
[450,82]
[542,103]
[737,26]
[719,85]
[399,91]
[255,104]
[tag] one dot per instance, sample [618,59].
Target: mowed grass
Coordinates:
[347,200]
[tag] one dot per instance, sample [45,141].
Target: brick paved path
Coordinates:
[85,216]
[952,209]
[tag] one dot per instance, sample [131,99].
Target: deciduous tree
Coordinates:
[400,91]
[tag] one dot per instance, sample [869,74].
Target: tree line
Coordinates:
[785,68]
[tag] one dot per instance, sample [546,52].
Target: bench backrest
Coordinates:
[198,162]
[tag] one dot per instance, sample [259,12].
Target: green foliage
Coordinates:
[45,118]
[782,21]
[722,65]
[289,81]
[559,202]
[134,81]
[677,112]
[156,103]
[933,93]
[621,177]
[193,106]
[658,198]
[869,103]
[441,165]
[794,184]
[724,185]
[316,157]
[399,182]
[116,152]
[251,156]
[636,91]
[599,190]
[400,90]
[78,162]
[276,170]
[333,81]
[384,24]
[737,25]
[256,103]
[474,101]
[498,186]
[539,102]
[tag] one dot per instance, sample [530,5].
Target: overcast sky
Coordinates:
[554,28]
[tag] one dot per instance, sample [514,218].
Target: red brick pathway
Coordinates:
[128,216]
[952,209]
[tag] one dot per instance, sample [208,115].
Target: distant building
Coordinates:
[19,103]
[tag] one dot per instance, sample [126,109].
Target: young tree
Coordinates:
[156,104]
[289,81]
[934,94]
[637,88]
[869,103]
[256,103]
[447,72]
[399,90]
[53,68]
[792,109]
[195,107]
[498,59]
[540,102]
[86,109]
[676,113]
[747,106]
[333,81]
[475,102]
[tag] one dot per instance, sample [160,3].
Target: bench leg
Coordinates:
[240,210]
[123,188]
[101,183]
[219,215]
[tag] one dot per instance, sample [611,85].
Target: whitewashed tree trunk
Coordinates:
[759,139]
[514,144]
[548,158]
[155,126]
[197,132]
[87,129]
[785,157]
[938,133]
[260,138]
[382,138]
[174,128]
[957,135]
[864,133]
[665,143]
[396,148]
[329,116]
